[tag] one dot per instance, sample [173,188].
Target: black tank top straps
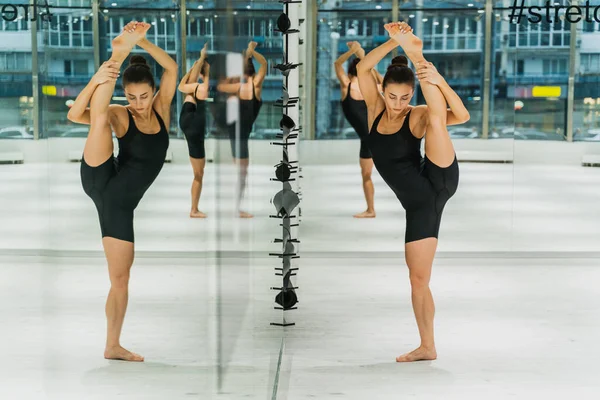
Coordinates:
[144,150]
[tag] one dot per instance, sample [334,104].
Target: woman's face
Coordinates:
[397,97]
[139,96]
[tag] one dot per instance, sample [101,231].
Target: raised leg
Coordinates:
[438,145]
[99,144]
[419,258]
[366,168]
[198,167]
[119,254]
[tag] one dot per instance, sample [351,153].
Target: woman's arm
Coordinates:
[368,85]
[378,77]
[187,84]
[458,113]
[339,69]
[195,75]
[262,71]
[206,76]
[226,87]
[168,81]
[80,112]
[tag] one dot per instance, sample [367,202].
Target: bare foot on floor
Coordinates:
[366,214]
[119,353]
[419,354]
[244,214]
[197,214]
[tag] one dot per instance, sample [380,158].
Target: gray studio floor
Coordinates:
[498,208]
[510,321]
[506,328]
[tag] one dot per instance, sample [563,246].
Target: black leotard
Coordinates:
[355,112]
[117,185]
[422,187]
[192,122]
[249,110]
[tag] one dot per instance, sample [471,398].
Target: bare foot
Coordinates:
[366,214]
[419,354]
[119,353]
[127,40]
[402,33]
[244,214]
[197,214]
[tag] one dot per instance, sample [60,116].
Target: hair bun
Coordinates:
[138,60]
[398,62]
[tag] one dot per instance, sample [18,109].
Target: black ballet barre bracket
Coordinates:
[293,170]
[286,309]
[281,255]
[284,325]
[283,144]
[284,180]
[288,32]
[286,274]
[287,66]
[289,240]
[284,289]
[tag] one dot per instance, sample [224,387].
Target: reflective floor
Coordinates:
[505,328]
[498,208]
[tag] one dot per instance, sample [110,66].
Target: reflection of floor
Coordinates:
[497,208]
[505,328]
[53,330]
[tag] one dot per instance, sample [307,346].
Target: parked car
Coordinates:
[592,134]
[16,132]
[534,134]
[462,132]
[79,131]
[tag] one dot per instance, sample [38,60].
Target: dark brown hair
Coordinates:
[138,71]
[398,72]
[249,67]
[352,67]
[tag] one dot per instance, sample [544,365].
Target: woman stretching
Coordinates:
[117,185]
[192,122]
[423,185]
[355,111]
[249,92]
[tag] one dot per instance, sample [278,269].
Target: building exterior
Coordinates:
[523,56]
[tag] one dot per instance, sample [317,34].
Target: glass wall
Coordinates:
[453,35]
[586,112]
[256,23]
[452,41]
[45,211]
[529,62]
[16,97]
